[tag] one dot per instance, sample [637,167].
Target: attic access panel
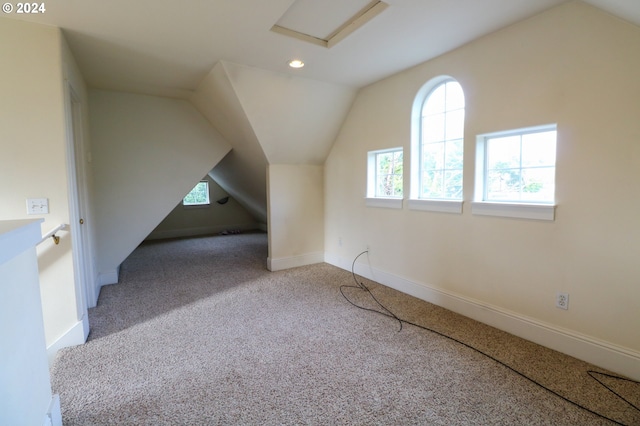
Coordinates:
[326,22]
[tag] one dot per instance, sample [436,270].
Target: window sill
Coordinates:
[196,206]
[389,203]
[515,210]
[441,206]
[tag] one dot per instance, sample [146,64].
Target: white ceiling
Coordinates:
[304,15]
[166,47]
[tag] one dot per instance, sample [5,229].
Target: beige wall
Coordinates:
[296,215]
[574,66]
[148,152]
[186,221]
[33,163]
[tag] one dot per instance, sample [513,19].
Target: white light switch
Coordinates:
[37,206]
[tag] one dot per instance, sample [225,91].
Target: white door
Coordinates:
[82,256]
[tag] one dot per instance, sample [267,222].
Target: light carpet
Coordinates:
[198,332]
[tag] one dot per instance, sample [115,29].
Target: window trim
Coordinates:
[538,210]
[434,205]
[514,210]
[414,201]
[388,203]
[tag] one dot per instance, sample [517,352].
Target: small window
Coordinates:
[384,176]
[388,173]
[198,196]
[516,167]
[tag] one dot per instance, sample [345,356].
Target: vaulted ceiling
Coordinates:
[165,47]
[225,57]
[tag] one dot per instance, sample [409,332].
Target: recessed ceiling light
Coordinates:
[296,63]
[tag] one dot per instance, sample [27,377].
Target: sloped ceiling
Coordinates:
[269,118]
[164,47]
[295,119]
[147,153]
[242,173]
[628,10]
[224,58]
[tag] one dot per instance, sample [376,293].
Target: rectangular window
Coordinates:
[516,167]
[385,176]
[198,196]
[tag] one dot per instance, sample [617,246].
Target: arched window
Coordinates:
[438,141]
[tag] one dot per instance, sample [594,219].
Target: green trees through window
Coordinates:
[389,169]
[520,166]
[198,196]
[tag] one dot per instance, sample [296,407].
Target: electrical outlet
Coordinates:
[340,241]
[562,300]
[368,248]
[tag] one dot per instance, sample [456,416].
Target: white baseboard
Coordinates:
[54,413]
[604,354]
[109,277]
[76,335]
[282,263]
[93,296]
[202,230]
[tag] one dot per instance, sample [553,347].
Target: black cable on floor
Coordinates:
[388,313]
[592,374]
[361,286]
